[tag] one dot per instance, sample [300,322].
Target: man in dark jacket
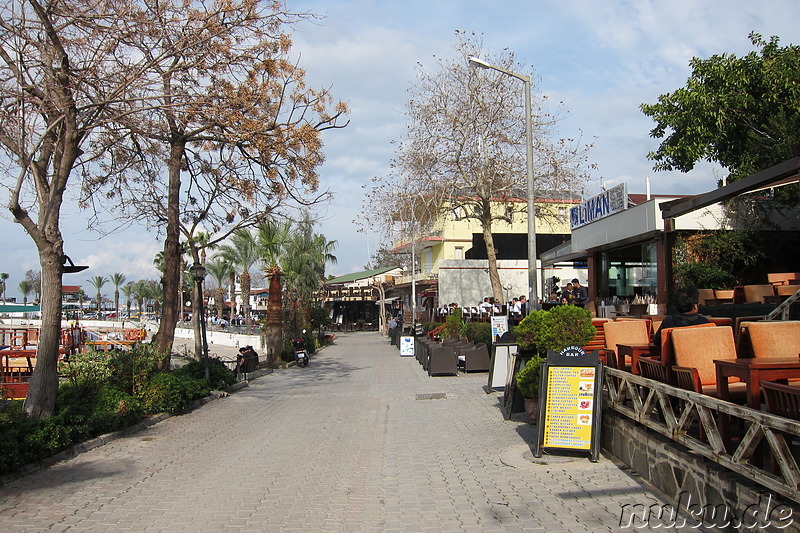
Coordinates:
[580,296]
[687,305]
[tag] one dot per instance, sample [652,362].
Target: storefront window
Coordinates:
[629,272]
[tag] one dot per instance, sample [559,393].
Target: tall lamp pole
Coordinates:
[199,274]
[532,277]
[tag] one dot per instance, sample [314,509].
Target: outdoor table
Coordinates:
[753,371]
[634,351]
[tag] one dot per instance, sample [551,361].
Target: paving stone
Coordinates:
[340,446]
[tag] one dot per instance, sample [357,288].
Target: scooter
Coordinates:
[300,353]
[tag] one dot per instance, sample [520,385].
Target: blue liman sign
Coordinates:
[604,204]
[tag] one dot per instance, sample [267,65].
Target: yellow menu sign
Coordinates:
[570,407]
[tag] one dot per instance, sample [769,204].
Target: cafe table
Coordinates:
[753,371]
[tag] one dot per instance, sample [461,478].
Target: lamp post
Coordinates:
[198,272]
[532,277]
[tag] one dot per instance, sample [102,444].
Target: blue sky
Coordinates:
[602,59]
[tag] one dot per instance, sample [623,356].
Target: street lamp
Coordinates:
[480,63]
[198,272]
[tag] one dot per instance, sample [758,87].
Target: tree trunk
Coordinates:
[173,258]
[245,279]
[41,400]
[491,254]
[274,320]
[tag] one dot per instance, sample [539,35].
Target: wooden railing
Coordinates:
[693,420]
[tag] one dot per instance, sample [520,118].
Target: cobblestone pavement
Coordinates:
[341,446]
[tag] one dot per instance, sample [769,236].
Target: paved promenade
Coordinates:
[344,445]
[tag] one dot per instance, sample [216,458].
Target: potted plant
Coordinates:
[528,385]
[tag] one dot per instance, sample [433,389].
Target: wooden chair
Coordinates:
[782,400]
[599,340]
[723,296]
[694,350]
[706,295]
[633,335]
[756,293]
[654,369]
[775,339]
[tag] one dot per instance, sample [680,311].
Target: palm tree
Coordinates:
[97,282]
[3,278]
[272,239]
[220,270]
[25,287]
[242,253]
[117,279]
[140,291]
[128,292]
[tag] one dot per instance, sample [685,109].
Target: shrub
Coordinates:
[114,410]
[703,275]
[131,369]
[528,377]
[220,377]
[527,331]
[562,326]
[170,392]
[453,325]
[479,332]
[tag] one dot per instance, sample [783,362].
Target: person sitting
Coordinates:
[485,303]
[566,294]
[687,305]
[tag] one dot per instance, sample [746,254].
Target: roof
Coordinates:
[778,175]
[70,288]
[19,308]
[355,276]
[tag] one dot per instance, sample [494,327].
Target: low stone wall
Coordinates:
[722,500]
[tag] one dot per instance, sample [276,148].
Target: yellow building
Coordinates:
[451,257]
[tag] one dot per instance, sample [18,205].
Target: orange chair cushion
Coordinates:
[775,339]
[705,294]
[626,332]
[787,290]
[698,347]
[756,293]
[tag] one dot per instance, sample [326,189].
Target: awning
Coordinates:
[19,308]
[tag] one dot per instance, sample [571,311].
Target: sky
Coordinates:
[601,59]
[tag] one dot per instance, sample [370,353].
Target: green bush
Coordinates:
[171,393]
[528,330]
[479,332]
[220,378]
[702,275]
[528,377]
[131,369]
[453,325]
[562,326]
[15,426]
[114,410]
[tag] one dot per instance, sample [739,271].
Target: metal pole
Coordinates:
[202,318]
[532,275]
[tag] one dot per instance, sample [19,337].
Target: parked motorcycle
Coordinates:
[300,352]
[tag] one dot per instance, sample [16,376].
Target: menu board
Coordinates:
[570,406]
[569,410]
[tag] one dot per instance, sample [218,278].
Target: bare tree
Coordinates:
[463,153]
[58,86]
[237,125]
